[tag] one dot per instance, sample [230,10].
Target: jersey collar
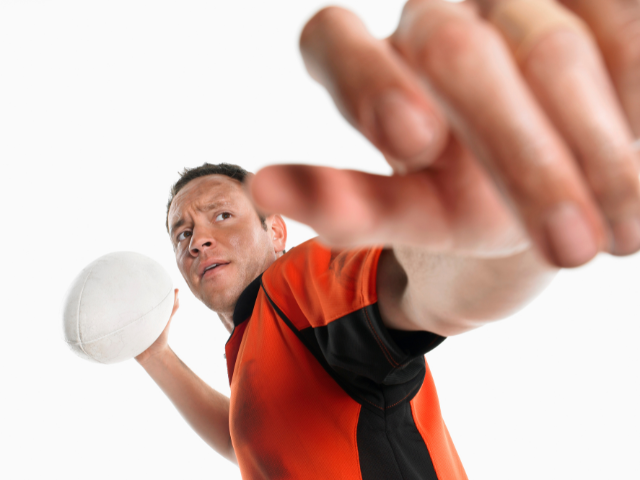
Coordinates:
[246,302]
[241,314]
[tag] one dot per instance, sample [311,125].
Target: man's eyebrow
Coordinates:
[205,208]
[214,205]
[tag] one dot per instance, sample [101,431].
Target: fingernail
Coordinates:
[569,235]
[626,236]
[405,129]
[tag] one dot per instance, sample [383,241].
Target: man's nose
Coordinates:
[201,240]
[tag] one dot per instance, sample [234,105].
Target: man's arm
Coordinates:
[448,295]
[504,137]
[204,409]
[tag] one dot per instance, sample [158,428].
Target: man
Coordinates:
[327,381]
[326,358]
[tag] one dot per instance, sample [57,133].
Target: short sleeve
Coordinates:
[329,299]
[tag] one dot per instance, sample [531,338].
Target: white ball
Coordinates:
[117,307]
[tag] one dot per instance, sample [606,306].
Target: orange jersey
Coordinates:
[320,388]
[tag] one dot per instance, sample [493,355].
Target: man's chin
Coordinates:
[220,301]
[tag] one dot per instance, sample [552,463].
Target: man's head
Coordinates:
[211,221]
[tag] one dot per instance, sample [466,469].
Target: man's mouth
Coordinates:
[213,267]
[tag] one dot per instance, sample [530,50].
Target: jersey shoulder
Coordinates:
[315,285]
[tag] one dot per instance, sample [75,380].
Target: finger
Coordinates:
[452,209]
[616,27]
[564,69]
[176,304]
[373,89]
[489,105]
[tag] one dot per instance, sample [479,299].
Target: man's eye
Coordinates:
[183,235]
[223,216]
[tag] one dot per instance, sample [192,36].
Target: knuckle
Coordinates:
[457,45]
[559,47]
[455,37]
[617,191]
[348,226]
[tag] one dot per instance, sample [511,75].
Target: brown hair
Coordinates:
[233,171]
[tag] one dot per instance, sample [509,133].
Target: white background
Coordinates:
[101,104]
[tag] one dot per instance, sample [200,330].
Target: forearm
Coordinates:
[452,294]
[204,409]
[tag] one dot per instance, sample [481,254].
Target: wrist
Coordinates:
[157,355]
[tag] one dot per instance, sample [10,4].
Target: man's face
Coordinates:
[212,222]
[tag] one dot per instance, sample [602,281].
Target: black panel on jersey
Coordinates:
[415,343]
[391,447]
[246,302]
[382,370]
[307,338]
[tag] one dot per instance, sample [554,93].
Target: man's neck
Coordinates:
[227,320]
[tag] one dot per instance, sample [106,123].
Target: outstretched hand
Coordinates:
[511,123]
[162,342]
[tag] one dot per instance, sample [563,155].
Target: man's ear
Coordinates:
[278,232]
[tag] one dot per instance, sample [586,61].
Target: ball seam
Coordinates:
[80,342]
[121,328]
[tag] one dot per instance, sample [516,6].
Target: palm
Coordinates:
[162,342]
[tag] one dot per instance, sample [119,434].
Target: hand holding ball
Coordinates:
[117,307]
